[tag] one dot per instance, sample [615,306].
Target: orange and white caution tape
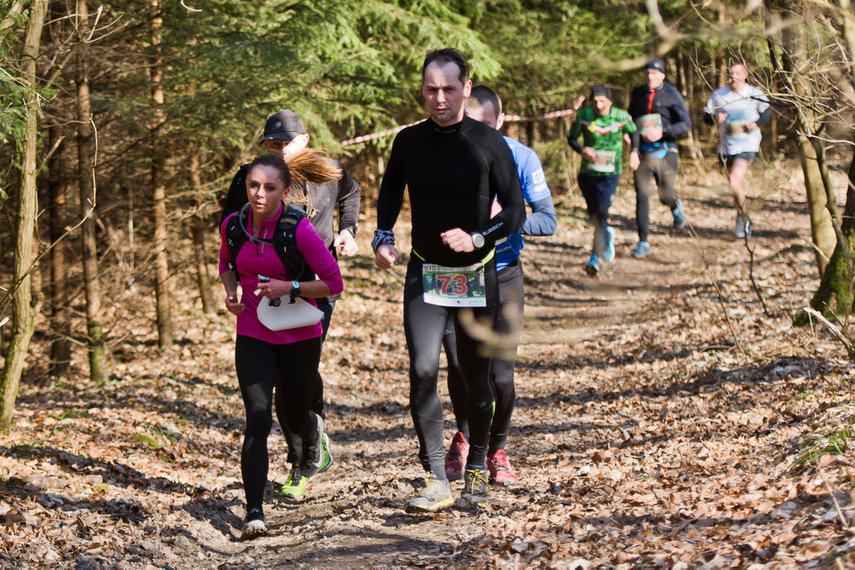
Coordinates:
[553,115]
[381,134]
[508,119]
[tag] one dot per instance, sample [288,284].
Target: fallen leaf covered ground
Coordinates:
[663,421]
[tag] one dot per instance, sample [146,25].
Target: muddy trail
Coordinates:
[663,420]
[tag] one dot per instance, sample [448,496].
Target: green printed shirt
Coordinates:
[605,136]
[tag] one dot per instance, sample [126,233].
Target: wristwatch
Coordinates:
[477,240]
[295,291]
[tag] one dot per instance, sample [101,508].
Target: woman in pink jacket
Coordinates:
[287,359]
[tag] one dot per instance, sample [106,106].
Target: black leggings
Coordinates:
[293,441]
[260,366]
[424,327]
[502,374]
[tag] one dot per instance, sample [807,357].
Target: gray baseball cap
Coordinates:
[284,126]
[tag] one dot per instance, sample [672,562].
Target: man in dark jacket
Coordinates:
[662,117]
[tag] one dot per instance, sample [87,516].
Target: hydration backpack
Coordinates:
[284,241]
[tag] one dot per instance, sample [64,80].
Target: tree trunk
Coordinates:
[86,182]
[721,53]
[203,280]
[685,65]
[807,125]
[161,235]
[24,311]
[60,323]
[771,140]
[14,10]
[821,227]
[834,296]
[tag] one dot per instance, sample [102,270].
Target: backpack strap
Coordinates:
[284,241]
[285,245]
[236,236]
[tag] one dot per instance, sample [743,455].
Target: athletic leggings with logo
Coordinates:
[664,171]
[291,368]
[424,327]
[509,323]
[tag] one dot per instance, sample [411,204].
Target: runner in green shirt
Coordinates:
[602,128]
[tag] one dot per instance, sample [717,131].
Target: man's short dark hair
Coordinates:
[482,94]
[448,55]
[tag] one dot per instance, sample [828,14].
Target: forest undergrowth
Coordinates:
[663,420]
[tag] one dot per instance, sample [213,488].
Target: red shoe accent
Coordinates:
[455,459]
[500,469]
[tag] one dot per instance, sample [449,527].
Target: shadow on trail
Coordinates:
[136,513]
[112,473]
[158,401]
[378,550]
[645,356]
[776,371]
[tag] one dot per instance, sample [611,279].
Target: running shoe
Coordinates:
[435,495]
[475,486]
[593,266]
[609,253]
[679,218]
[455,459]
[253,525]
[741,229]
[295,484]
[500,470]
[327,458]
[641,250]
[312,455]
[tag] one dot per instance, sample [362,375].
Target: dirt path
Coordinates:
[357,510]
[642,435]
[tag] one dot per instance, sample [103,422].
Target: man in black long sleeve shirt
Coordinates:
[662,117]
[452,167]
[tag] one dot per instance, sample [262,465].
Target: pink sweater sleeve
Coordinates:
[319,257]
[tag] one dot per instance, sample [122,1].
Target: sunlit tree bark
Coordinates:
[86,183]
[24,307]
[158,175]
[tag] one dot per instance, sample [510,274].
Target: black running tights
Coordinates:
[502,373]
[291,368]
[424,327]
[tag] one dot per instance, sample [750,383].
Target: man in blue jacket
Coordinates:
[661,115]
[485,106]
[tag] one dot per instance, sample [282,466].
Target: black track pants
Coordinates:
[294,442]
[664,172]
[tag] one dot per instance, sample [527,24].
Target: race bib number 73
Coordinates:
[454,286]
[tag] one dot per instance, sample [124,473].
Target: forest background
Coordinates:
[123,122]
